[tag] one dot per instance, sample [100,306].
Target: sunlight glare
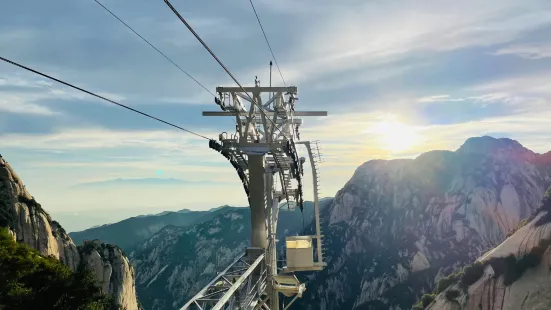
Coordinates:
[394,135]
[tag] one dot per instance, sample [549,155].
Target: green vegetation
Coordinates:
[418,306]
[445,282]
[59,232]
[510,267]
[545,206]
[471,274]
[32,281]
[7,215]
[425,301]
[452,294]
[90,245]
[31,203]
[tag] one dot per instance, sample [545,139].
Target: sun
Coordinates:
[394,135]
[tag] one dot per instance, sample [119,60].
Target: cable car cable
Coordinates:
[99,96]
[158,51]
[268,42]
[221,64]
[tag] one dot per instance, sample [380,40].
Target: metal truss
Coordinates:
[239,286]
[263,151]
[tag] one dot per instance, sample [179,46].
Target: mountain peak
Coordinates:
[495,146]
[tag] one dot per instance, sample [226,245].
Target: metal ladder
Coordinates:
[317,161]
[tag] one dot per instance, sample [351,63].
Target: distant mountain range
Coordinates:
[132,231]
[145,237]
[139,182]
[176,262]
[393,232]
[167,212]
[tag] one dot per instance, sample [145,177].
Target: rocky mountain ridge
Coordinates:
[392,232]
[398,226]
[29,223]
[130,232]
[177,262]
[514,275]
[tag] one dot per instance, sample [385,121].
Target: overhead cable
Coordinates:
[158,51]
[268,42]
[100,97]
[204,44]
[221,64]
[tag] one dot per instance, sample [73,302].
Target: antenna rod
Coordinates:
[271,94]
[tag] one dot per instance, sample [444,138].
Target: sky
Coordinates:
[398,78]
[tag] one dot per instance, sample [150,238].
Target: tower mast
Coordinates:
[263,152]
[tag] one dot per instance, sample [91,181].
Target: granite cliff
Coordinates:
[515,275]
[399,226]
[29,223]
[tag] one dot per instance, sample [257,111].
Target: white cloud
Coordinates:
[16,81]
[356,143]
[488,98]
[16,104]
[529,51]
[98,138]
[23,95]
[537,84]
[434,98]
[380,32]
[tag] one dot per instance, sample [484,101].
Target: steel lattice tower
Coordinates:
[263,152]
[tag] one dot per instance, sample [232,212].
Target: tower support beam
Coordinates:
[259,237]
[264,145]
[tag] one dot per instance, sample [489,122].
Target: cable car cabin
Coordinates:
[300,254]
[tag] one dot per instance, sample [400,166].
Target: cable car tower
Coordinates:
[263,152]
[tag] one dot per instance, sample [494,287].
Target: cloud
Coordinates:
[141,182]
[14,104]
[428,66]
[28,96]
[434,98]
[99,138]
[532,51]
[358,140]
[537,84]
[486,98]
[16,81]
[382,32]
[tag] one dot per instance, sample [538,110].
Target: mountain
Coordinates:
[135,182]
[177,262]
[130,232]
[28,223]
[514,275]
[30,280]
[398,226]
[167,212]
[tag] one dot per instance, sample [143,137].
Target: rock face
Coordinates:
[515,275]
[114,272]
[174,264]
[30,224]
[398,226]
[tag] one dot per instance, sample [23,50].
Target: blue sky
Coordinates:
[398,78]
